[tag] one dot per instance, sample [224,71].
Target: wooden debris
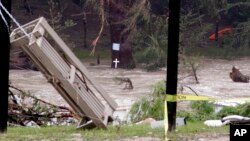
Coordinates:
[27,110]
[127,81]
[237,76]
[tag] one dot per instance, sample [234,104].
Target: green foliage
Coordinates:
[203,110]
[138,15]
[229,111]
[153,107]
[202,107]
[139,110]
[154,58]
[153,54]
[187,114]
[56,16]
[84,53]
[194,28]
[243,30]
[243,110]
[57,21]
[149,35]
[220,53]
[149,107]
[159,89]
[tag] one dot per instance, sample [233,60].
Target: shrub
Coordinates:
[203,110]
[153,54]
[243,110]
[150,107]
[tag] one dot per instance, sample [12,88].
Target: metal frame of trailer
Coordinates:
[65,72]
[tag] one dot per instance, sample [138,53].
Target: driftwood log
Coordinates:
[237,76]
[127,81]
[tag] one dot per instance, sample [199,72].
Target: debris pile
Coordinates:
[237,76]
[27,110]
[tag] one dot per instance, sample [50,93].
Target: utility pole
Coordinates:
[4,63]
[172,59]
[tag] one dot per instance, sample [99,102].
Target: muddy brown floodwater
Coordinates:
[36,83]
[213,75]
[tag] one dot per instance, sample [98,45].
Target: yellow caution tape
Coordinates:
[184,97]
[166,119]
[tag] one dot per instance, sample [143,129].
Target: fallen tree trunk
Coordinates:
[237,76]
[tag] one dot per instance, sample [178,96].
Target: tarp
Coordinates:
[221,33]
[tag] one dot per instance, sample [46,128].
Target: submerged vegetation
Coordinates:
[153,107]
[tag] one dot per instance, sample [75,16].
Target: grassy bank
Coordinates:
[70,133]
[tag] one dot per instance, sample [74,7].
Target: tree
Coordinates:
[147,21]
[119,34]
[81,4]
[124,19]
[145,16]
[113,13]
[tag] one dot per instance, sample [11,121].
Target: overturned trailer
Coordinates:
[65,72]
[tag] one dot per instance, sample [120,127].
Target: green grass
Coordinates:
[194,130]
[85,53]
[125,132]
[199,127]
[68,133]
[220,53]
[45,133]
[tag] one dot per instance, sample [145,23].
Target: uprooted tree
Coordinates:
[237,76]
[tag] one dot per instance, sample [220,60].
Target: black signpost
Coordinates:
[172,62]
[4,63]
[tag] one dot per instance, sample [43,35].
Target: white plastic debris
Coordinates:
[213,123]
[216,123]
[31,124]
[225,120]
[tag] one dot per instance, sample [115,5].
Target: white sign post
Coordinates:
[116,48]
[116,62]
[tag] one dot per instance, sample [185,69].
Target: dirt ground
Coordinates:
[213,76]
